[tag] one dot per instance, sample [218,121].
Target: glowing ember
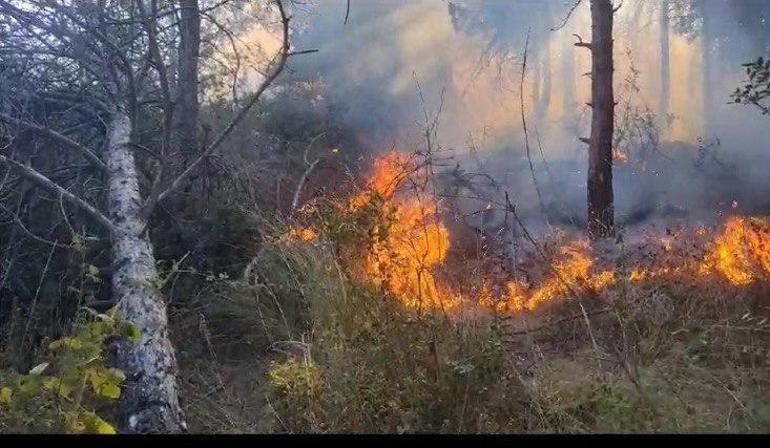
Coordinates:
[300,234]
[619,155]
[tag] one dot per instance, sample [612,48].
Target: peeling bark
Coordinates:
[149,401]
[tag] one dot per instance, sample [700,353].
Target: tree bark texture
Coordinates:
[601,210]
[149,401]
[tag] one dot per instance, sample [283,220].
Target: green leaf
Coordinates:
[60,387]
[30,385]
[94,424]
[5,395]
[93,270]
[130,331]
[116,374]
[38,369]
[109,390]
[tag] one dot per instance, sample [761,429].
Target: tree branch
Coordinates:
[43,181]
[17,219]
[87,153]
[188,172]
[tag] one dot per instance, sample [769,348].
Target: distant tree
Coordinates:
[756,89]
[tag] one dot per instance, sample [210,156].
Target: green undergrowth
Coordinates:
[73,389]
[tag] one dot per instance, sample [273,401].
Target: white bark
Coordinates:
[149,401]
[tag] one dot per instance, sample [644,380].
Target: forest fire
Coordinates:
[407,244]
[741,253]
[407,241]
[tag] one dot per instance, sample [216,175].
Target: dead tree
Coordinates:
[108,56]
[601,211]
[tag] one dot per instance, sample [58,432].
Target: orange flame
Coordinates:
[741,253]
[408,244]
[411,241]
[619,155]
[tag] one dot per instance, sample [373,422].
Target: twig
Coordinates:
[524,124]
[347,13]
[39,179]
[37,294]
[567,17]
[24,229]
[310,167]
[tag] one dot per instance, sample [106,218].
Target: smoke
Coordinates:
[397,65]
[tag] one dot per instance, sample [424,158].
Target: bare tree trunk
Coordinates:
[149,402]
[187,106]
[601,212]
[665,63]
[568,79]
[707,36]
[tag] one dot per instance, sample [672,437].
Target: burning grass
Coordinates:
[741,252]
[380,341]
[402,247]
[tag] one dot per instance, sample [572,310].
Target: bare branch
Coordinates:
[24,228]
[185,176]
[43,181]
[567,17]
[524,126]
[87,153]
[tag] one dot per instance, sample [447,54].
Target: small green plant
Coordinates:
[63,393]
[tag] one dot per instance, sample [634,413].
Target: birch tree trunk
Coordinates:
[149,401]
[601,211]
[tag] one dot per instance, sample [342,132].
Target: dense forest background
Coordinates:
[384,216]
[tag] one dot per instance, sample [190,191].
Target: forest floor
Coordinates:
[298,346]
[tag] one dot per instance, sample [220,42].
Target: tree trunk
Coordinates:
[149,401]
[569,81]
[665,64]
[600,196]
[187,107]
[707,36]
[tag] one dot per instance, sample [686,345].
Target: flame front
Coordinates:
[407,246]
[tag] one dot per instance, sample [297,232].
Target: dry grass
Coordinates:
[303,343]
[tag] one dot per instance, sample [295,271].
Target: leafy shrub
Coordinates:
[64,393]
